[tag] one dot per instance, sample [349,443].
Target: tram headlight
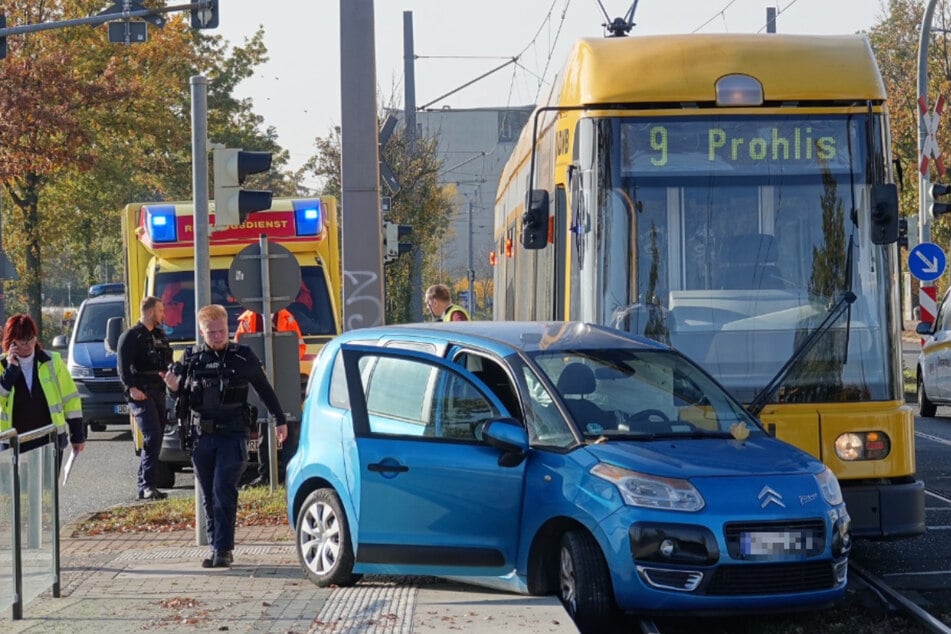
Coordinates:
[868,445]
[829,486]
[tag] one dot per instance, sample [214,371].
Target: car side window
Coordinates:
[459,409]
[399,395]
[410,397]
[548,426]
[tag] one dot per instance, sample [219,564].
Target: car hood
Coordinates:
[92,355]
[706,457]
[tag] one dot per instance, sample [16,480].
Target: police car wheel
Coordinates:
[323,540]
[925,407]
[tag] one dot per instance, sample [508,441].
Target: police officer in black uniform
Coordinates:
[143,355]
[214,383]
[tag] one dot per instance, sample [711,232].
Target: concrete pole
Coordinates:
[360,169]
[199,94]
[409,99]
[470,272]
[927,292]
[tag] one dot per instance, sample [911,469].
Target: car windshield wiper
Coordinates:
[667,435]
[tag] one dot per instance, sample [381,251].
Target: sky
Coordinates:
[298,90]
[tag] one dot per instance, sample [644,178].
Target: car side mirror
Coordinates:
[508,435]
[924,328]
[59,342]
[114,328]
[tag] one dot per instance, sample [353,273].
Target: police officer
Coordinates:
[142,357]
[214,380]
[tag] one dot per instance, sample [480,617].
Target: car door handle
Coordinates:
[379,467]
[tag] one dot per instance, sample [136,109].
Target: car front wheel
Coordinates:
[925,407]
[584,584]
[323,540]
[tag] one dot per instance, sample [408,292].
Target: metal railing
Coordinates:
[29,516]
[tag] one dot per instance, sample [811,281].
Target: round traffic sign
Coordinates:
[927,261]
[244,277]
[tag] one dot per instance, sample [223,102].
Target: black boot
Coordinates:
[218,560]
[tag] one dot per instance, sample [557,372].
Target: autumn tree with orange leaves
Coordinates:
[87,126]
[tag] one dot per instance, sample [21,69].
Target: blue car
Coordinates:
[559,458]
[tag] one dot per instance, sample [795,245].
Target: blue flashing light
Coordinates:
[160,223]
[307,217]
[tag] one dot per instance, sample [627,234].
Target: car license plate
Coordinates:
[122,408]
[760,543]
[252,444]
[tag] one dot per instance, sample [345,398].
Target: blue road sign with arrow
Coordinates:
[927,261]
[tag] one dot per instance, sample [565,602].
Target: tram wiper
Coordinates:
[846,298]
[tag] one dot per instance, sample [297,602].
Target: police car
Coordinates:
[933,369]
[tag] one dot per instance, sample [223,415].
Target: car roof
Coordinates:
[518,335]
[109,298]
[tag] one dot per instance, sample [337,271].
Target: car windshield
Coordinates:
[92,322]
[640,394]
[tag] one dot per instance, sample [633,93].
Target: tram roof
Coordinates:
[684,68]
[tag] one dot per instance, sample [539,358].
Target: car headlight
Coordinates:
[649,491]
[80,372]
[829,486]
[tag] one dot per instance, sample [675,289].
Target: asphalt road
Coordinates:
[105,474]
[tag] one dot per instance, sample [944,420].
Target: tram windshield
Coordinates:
[731,238]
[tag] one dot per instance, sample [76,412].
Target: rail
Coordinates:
[893,598]
[29,515]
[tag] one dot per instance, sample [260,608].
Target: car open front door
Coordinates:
[432,496]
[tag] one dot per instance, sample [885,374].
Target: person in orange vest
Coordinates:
[250,321]
[283,321]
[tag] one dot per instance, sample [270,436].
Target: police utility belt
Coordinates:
[212,426]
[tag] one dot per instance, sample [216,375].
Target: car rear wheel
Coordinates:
[925,407]
[584,584]
[323,540]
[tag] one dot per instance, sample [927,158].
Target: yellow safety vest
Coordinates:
[58,387]
[454,308]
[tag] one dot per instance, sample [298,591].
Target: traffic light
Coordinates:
[3,40]
[206,17]
[939,190]
[903,233]
[884,213]
[535,220]
[233,204]
[393,234]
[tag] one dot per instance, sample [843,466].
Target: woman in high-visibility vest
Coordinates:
[36,389]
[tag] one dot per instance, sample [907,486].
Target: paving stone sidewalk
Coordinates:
[119,583]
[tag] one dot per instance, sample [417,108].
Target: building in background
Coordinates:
[474,145]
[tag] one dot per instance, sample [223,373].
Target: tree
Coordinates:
[45,90]
[421,202]
[87,126]
[894,39]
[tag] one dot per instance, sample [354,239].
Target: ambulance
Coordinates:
[159,241]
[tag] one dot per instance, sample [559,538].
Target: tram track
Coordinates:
[897,601]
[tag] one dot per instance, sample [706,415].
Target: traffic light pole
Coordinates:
[199,94]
